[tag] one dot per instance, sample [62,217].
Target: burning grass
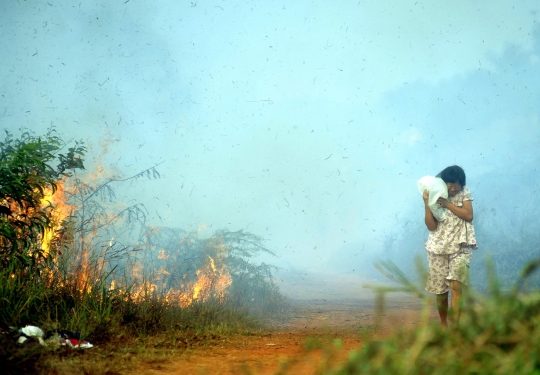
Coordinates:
[203,284]
[170,282]
[105,317]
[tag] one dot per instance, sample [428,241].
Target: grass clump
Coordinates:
[497,333]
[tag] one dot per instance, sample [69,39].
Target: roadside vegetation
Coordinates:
[81,271]
[498,333]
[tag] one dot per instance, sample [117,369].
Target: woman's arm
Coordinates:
[431,222]
[465,212]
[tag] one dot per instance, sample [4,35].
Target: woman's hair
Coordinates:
[453,174]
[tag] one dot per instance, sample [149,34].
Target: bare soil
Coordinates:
[317,336]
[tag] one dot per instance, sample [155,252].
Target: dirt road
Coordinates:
[318,334]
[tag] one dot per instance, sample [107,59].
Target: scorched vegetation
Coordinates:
[73,258]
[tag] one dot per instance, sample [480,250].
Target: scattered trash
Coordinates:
[30,332]
[76,344]
[61,338]
[73,340]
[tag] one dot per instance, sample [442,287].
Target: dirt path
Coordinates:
[302,343]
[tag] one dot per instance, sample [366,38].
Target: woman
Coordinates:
[450,242]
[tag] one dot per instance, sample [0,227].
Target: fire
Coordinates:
[212,282]
[156,279]
[60,211]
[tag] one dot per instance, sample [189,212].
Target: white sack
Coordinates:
[32,331]
[437,188]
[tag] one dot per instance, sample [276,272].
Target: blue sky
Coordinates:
[305,123]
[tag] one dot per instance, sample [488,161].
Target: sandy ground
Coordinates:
[302,342]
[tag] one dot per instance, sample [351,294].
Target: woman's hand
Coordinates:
[431,222]
[465,212]
[443,202]
[425,196]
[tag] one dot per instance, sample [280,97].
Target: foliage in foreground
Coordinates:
[496,334]
[27,172]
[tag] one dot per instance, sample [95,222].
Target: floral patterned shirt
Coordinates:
[453,233]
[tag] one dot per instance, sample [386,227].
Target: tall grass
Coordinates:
[75,292]
[101,314]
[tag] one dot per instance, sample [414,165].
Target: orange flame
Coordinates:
[60,211]
[212,281]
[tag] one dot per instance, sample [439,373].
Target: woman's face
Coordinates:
[453,188]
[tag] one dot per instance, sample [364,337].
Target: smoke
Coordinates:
[306,124]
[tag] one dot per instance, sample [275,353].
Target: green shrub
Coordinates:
[27,172]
